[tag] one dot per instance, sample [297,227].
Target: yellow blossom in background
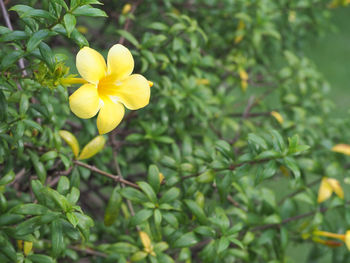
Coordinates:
[240,35]
[277,116]
[244,79]
[202,81]
[82,29]
[342,148]
[110,87]
[291,16]
[126,9]
[347,239]
[146,242]
[327,187]
[161,177]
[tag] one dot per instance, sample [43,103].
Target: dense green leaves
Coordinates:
[222,165]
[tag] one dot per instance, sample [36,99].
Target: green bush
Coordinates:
[224,163]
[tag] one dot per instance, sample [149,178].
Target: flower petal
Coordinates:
[84,102]
[347,239]
[134,92]
[325,191]
[110,116]
[91,65]
[120,62]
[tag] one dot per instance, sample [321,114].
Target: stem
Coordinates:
[116,178]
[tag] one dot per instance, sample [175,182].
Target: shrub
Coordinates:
[234,159]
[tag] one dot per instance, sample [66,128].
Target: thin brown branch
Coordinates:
[128,22]
[116,178]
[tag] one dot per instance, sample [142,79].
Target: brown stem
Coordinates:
[116,178]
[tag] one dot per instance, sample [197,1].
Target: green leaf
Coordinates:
[170,195]
[153,177]
[69,23]
[38,258]
[257,141]
[88,10]
[36,39]
[7,178]
[57,238]
[141,216]
[63,185]
[128,37]
[10,219]
[73,196]
[38,166]
[133,195]
[47,55]
[196,210]
[3,107]
[158,26]
[187,240]
[11,58]
[113,207]
[27,11]
[148,190]
[72,218]
[23,104]
[292,165]
[30,209]
[222,244]
[51,155]
[14,35]
[33,124]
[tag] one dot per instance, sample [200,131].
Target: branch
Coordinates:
[116,178]
[128,21]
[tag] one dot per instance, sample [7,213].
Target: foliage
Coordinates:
[221,166]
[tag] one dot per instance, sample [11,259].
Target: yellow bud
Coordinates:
[126,9]
[291,16]
[71,140]
[150,83]
[342,148]
[20,244]
[338,190]
[244,85]
[347,239]
[82,29]
[202,81]
[161,177]
[27,247]
[329,234]
[277,116]
[327,187]
[325,190]
[284,170]
[93,147]
[243,74]
[70,81]
[329,243]
[146,242]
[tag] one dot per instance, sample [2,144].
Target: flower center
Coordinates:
[107,87]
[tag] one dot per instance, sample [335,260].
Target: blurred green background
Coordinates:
[331,54]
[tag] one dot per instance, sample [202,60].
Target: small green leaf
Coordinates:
[87,10]
[57,238]
[69,23]
[170,195]
[141,216]
[128,37]
[7,178]
[196,210]
[72,218]
[148,190]
[187,240]
[153,177]
[36,39]
[113,207]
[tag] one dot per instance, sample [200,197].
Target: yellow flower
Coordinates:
[343,237]
[342,148]
[110,87]
[126,9]
[277,116]
[327,187]
[146,242]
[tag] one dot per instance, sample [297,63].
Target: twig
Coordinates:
[287,220]
[128,21]
[250,104]
[89,251]
[116,178]
[298,191]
